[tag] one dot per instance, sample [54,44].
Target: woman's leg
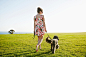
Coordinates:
[38,43]
[41,39]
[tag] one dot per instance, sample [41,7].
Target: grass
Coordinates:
[23,45]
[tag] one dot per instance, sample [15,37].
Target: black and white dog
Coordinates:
[53,42]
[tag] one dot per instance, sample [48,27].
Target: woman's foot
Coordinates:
[36,48]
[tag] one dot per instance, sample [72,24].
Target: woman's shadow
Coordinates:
[39,53]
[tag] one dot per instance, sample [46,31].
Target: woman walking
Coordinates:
[39,27]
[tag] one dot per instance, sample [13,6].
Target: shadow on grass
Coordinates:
[39,54]
[26,53]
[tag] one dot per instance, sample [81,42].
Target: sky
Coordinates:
[60,15]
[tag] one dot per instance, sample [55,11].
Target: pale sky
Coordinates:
[60,15]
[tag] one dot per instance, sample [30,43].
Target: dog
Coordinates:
[53,42]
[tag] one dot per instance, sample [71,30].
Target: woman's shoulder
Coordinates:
[42,16]
[35,16]
[38,16]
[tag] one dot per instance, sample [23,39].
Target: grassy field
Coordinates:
[23,45]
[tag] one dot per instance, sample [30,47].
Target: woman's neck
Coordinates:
[39,14]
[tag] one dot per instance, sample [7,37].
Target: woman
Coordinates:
[39,27]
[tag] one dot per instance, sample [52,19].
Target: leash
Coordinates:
[34,35]
[48,35]
[46,32]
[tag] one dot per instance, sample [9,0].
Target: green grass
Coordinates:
[23,45]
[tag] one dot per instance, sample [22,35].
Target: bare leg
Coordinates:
[41,39]
[38,39]
[38,43]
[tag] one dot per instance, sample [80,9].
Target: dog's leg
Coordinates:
[53,51]
[51,46]
[57,46]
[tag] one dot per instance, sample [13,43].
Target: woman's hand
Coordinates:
[45,30]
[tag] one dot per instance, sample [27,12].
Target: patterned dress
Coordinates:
[39,27]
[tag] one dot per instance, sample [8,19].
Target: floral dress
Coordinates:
[39,27]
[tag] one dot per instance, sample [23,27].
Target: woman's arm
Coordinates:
[44,23]
[34,23]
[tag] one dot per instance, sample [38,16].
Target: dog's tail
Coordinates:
[48,40]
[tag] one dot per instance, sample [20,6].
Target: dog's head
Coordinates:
[56,37]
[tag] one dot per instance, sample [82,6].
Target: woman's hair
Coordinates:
[39,9]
